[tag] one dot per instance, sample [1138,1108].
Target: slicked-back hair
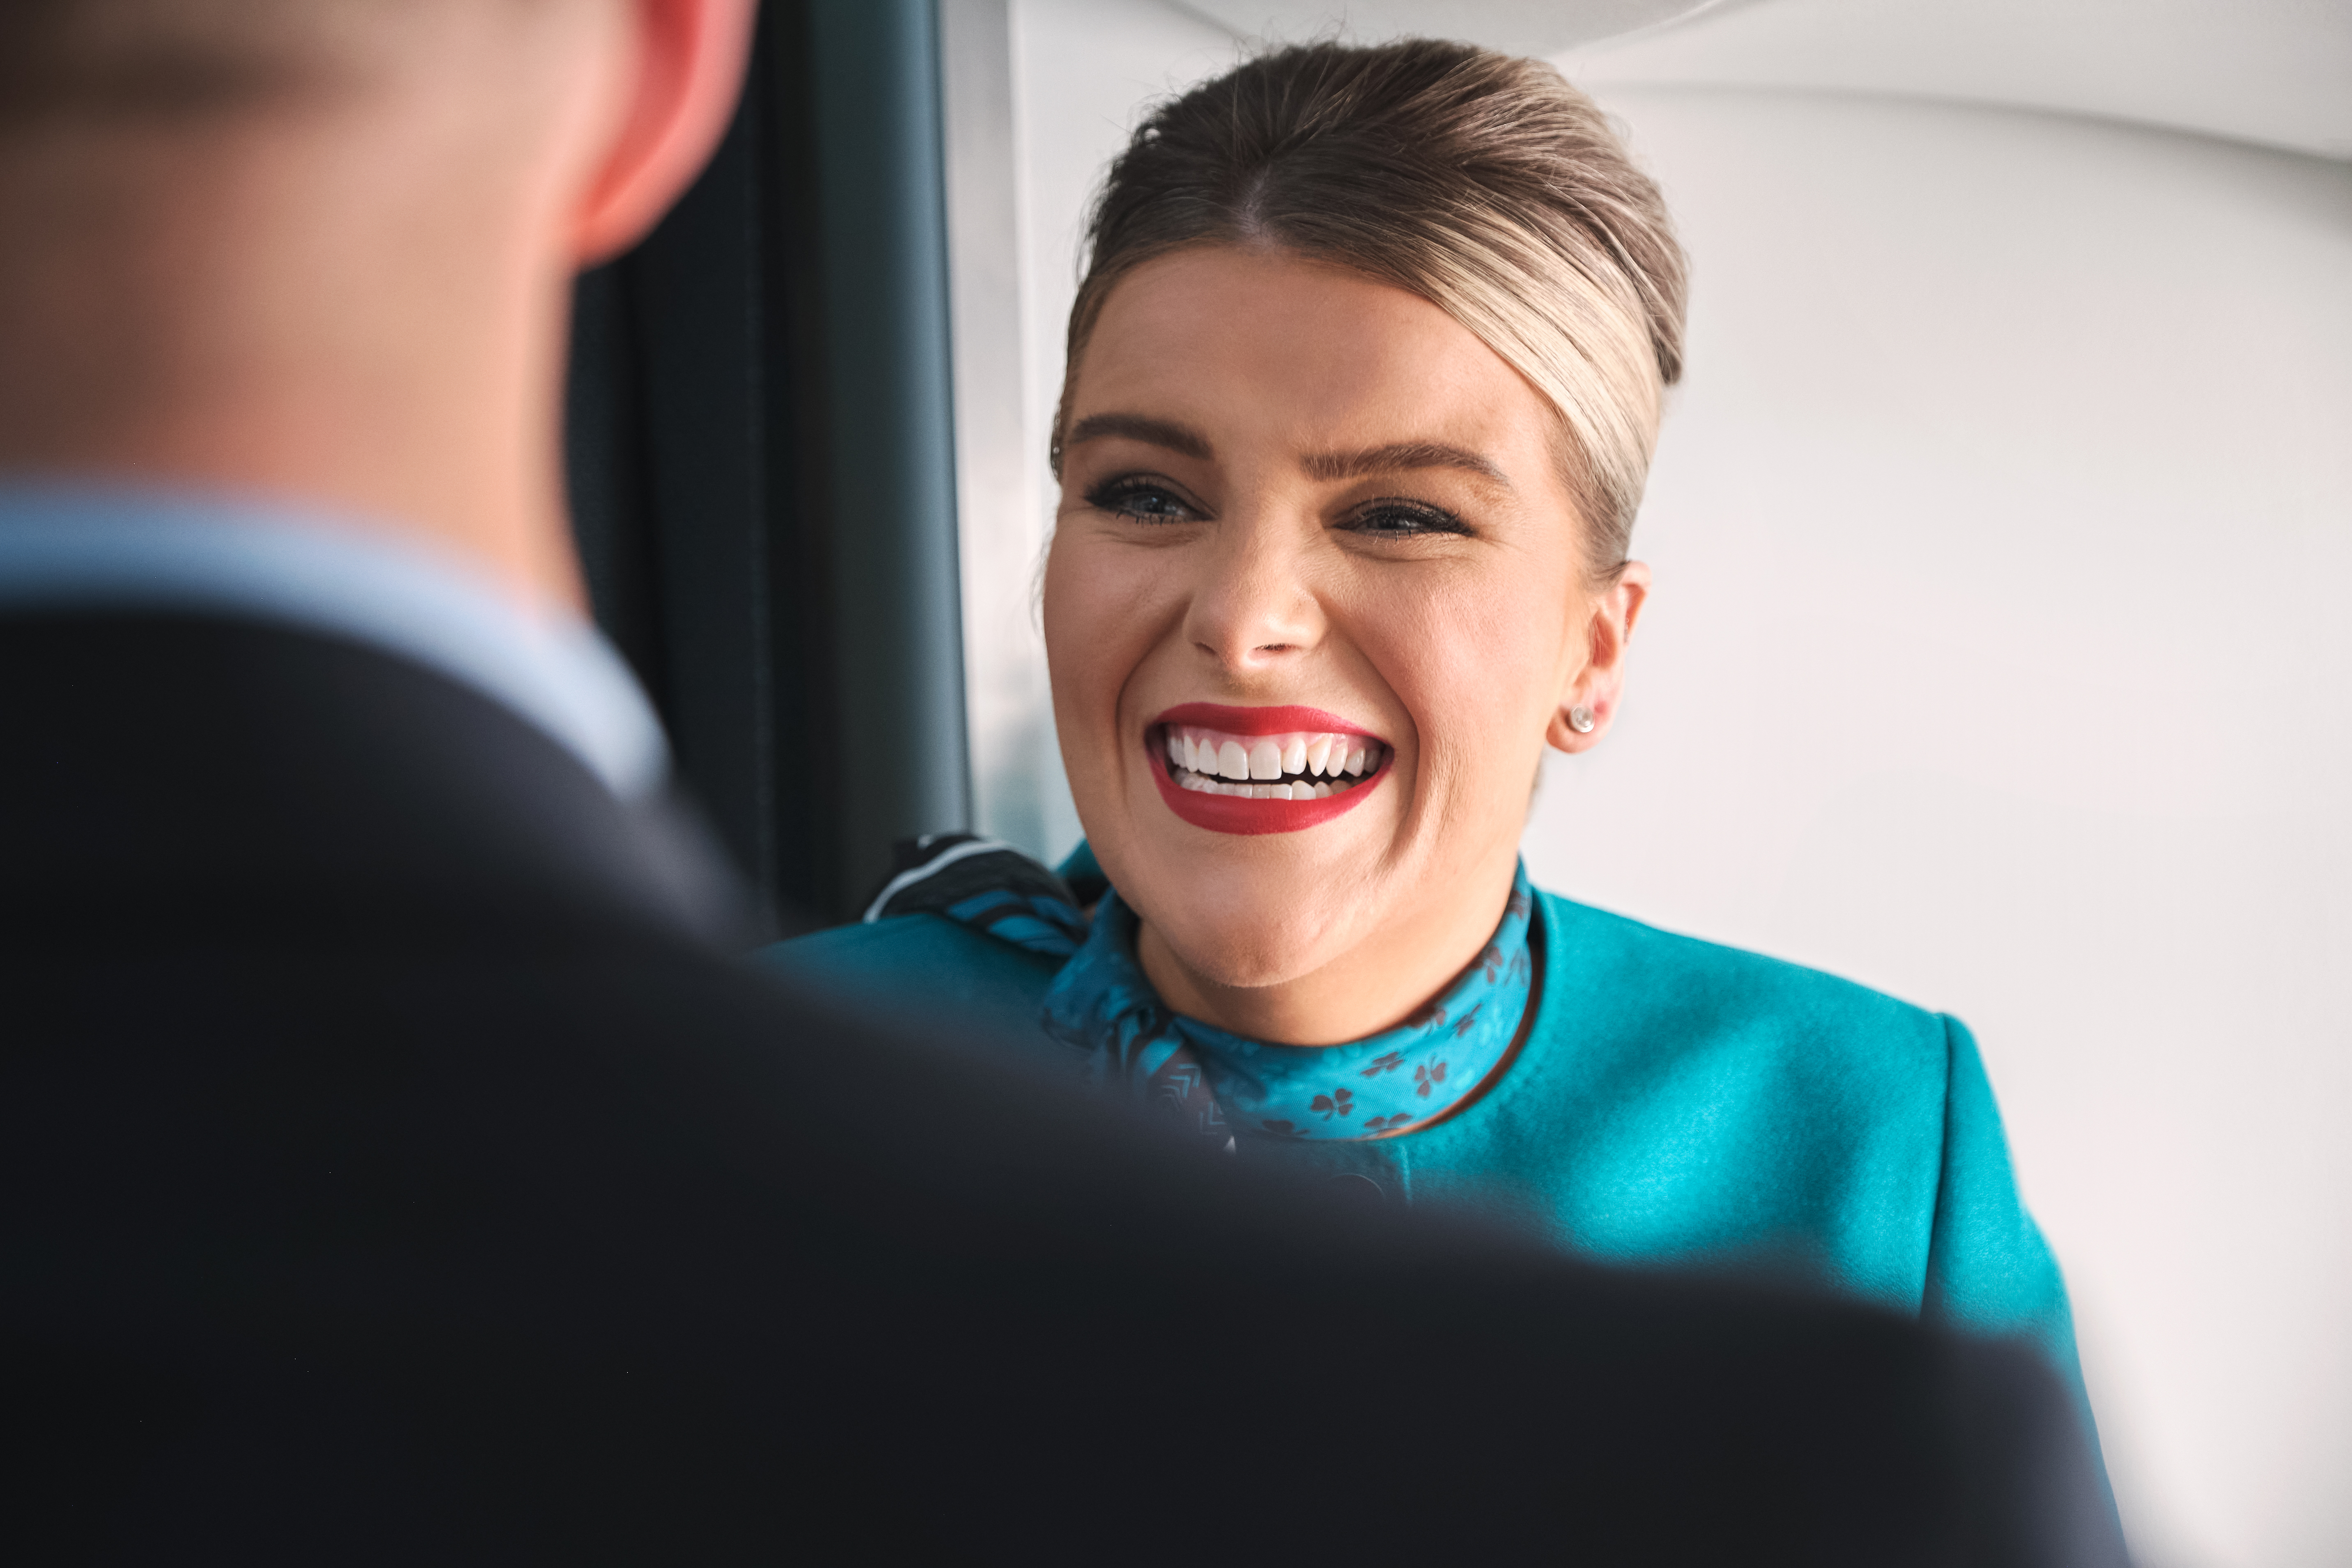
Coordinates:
[112,60]
[1483,183]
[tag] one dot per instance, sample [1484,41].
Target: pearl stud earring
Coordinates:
[1579,718]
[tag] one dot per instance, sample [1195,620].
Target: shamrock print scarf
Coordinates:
[1215,1083]
[1220,1084]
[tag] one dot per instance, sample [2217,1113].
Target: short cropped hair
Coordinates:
[102,60]
[1483,183]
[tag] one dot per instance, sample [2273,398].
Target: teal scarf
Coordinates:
[1220,1084]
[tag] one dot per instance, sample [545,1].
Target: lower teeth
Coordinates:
[1318,789]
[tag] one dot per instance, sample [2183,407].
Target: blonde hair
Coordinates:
[1485,183]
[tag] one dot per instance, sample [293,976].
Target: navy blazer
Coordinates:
[395,1166]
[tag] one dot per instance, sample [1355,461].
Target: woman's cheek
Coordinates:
[1071,608]
[1479,670]
[1063,614]
[1091,629]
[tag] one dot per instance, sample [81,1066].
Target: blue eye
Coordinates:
[1394,518]
[1143,500]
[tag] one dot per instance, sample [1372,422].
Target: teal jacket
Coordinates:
[1675,1102]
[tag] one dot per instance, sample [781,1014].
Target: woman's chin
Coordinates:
[1248,911]
[1246,949]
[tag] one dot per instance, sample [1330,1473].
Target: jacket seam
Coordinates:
[1943,1167]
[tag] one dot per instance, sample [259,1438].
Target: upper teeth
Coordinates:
[1275,766]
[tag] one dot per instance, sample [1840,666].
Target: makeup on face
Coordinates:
[1262,770]
[1283,486]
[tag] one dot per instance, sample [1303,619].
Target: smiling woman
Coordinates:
[1362,386]
[1286,482]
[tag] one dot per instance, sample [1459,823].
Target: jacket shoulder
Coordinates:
[1667,985]
[922,966]
[1681,1097]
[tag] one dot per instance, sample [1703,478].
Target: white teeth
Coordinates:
[1270,767]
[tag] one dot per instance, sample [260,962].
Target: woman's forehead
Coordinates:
[1257,345]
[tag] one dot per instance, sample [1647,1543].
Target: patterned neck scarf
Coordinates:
[1215,1083]
[1219,1083]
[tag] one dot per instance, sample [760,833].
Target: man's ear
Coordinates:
[1594,692]
[688,67]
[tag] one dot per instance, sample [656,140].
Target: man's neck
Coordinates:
[295,317]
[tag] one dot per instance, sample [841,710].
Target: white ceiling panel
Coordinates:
[2274,72]
[1519,27]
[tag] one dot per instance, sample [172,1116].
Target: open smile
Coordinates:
[1261,770]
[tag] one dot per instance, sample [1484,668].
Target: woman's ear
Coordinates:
[1593,693]
[687,65]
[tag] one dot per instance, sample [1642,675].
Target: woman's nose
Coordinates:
[1253,608]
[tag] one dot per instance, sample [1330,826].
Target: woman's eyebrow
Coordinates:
[1398,455]
[1176,437]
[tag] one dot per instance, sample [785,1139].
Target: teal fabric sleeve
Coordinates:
[1675,1100]
[926,969]
[1988,1268]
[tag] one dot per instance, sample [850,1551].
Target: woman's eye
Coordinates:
[1391,518]
[1144,501]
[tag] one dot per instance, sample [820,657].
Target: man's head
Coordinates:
[322,248]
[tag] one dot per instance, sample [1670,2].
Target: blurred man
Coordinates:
[393,1166]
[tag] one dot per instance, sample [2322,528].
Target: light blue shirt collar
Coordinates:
[70,547]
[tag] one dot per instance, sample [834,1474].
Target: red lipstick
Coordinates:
[1223,812]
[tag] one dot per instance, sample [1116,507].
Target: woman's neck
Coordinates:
[1375,985]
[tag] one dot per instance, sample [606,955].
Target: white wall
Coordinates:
[1080,73]
[1995,661]
[1998,659]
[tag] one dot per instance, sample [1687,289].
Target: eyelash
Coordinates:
[1373,518]
[1108,495]
[1424,518]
